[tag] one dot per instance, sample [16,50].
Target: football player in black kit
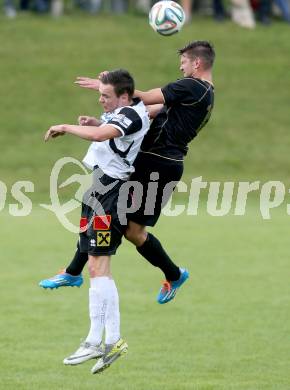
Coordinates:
[179,111]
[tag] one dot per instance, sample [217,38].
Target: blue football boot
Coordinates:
[62,280]
[169,289]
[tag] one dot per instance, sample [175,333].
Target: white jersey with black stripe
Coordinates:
[116,156]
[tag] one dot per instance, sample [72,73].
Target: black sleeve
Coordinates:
[185,91]
[127,121]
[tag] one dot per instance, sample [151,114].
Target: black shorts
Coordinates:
[154,197]
[100,229]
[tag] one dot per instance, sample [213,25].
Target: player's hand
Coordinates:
[87,121]
[54,131]
[103,73]
[86,82]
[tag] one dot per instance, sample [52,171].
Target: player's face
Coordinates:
[108,98]
[188,66]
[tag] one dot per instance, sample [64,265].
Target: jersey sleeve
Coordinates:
[127,121]
[185,91]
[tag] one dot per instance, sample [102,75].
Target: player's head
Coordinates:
[197,56]
[116,89]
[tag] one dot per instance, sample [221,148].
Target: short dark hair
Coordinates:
[121,80]
[201,49]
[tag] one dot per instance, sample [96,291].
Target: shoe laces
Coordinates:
[166,286]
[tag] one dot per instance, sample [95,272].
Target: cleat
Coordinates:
[112,353]
[169,289]
[62,280]
[85,352]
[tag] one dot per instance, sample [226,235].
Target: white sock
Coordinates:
[98,302]
[112,323]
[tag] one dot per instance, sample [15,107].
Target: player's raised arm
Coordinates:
[153,96]
[90,133]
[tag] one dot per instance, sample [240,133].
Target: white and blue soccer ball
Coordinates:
[166,17]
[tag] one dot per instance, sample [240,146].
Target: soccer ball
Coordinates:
[166,17]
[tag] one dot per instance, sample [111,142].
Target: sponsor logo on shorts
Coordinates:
[102,222]
[103,238]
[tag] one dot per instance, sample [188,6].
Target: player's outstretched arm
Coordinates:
[90,133]
[153,96]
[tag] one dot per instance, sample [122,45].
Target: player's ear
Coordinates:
[124,97]
[197,63]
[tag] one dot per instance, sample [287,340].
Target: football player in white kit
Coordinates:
[116,141]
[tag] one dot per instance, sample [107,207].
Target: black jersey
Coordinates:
[188,106]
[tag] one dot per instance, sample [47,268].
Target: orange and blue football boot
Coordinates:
[169,289]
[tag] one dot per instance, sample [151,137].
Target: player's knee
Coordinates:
[91,270]
[136,236]
[129,234]
[99,266]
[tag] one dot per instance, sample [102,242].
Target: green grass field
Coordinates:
[229,327]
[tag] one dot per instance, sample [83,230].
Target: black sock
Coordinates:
[152,251]
[78,262]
